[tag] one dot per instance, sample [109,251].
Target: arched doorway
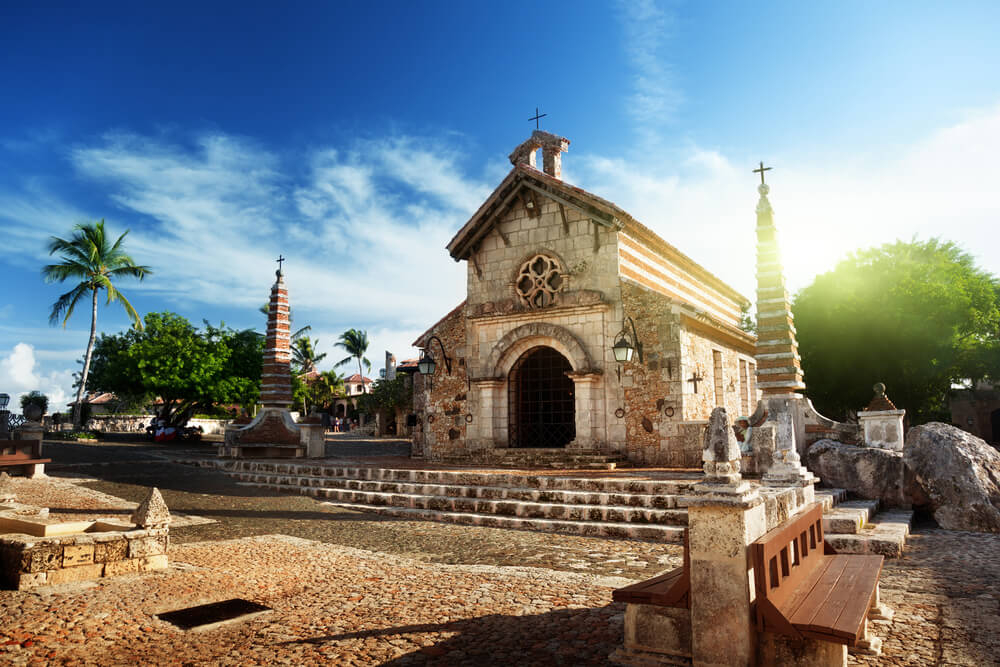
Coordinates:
[541,402]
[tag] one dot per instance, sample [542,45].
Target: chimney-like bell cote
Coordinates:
[552,149]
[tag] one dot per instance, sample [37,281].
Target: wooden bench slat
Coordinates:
[21,462]
[818,597]
[856,590]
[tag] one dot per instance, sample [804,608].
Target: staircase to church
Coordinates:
[628,505]
[556,458]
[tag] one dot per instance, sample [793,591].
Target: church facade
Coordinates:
[556,277]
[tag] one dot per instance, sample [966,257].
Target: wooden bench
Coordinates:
[804,590]
[670,589]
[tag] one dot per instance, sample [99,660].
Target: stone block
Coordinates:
[147,546]
[44,557]
[77,554]
[775,649]
[27,580]
[662,630]
[154,563]
[69,575]
[127,566]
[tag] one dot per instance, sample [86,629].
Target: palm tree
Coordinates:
[304,354]
[356,344]
[90,257]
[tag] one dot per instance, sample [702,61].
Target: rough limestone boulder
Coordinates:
[868,472]
[957,475]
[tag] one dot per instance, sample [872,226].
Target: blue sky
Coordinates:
[355,140]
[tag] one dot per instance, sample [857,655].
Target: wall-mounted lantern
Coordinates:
[626,346]
[426,365]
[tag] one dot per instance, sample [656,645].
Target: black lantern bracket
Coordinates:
[427,353]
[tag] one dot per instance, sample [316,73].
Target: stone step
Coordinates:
[849,517]
[467,478]
[830,497]
[600,513]
[654,532]
[885,535]
[509,493]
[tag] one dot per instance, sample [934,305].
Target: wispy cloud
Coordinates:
[648,29]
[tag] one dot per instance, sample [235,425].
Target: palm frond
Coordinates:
[66,303]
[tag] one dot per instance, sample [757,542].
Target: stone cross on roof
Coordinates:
[537,116]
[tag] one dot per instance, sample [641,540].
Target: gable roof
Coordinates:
[601,211]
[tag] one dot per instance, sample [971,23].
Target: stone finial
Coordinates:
[6,489]
[721,453]
[152,512]
[880,401]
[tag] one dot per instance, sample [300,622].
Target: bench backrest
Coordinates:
[786,555]
[16,450]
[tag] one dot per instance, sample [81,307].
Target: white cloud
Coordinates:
[19,374]
[941,186]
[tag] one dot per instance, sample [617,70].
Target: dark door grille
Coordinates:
[542,409]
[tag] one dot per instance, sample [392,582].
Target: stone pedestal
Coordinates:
[725,515]
[313,439]
[655,635]
[883,428]
[723,521]
[34,431]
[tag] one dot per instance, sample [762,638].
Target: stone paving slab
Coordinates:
[331,605]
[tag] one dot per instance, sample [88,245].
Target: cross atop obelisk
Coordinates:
[761,171]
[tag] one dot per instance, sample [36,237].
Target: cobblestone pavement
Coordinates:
[356,589]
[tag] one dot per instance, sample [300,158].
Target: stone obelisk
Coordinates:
[276,372]
[273,433]
[779,367]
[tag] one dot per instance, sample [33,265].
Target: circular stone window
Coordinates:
[538,281]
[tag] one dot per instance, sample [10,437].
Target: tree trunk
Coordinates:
[362,374]
[78,407]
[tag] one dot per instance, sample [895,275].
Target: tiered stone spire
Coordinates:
[779,367]
[276,374]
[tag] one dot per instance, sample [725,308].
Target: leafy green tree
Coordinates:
[387,395]
[190,370]
[918,316]
[90,258]
[35,397]
[355,342]
[319,391]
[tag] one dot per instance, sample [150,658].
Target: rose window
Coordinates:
[538,281]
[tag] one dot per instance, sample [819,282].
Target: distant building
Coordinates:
[977,411]
[354,386]
[100,402]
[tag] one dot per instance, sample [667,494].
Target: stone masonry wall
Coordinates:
[27,562]
[697,355]
[652,388]
[665,417]
[441,400]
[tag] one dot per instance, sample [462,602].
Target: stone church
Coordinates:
[557,279]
